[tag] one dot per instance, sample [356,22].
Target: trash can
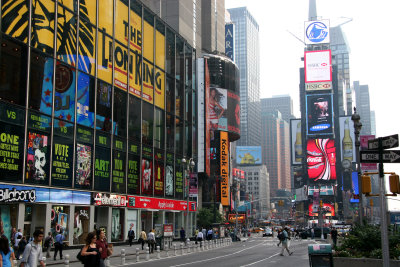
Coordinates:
[159,242]
[320,255]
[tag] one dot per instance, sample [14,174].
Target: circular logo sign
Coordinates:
[63,77]
[316,32]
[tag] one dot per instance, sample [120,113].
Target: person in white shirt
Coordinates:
[151,239]
[200,237]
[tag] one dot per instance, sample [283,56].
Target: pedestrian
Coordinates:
[199,237]
[182,234]
[102,246]
[91,252]
[312,233]
[48,243]
[6,253]
[280,236]
[131,235]
[21,246]
[334,234]
[12,236]
[58,245]
[17,238]
[210,234]
[285,241]
[142,238]
[33,251]
[151,241]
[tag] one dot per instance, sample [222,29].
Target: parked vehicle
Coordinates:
[267,232]
[317,233]
[257,230]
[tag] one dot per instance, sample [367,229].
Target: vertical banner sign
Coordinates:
[296,144]
[224,165]
[208,124]
[193,188]
[229,41]
[200,115]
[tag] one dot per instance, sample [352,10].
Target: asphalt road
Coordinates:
[256,251]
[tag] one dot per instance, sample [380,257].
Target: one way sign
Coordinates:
[372,156]
[390,141]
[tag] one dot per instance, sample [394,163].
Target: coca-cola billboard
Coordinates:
[321,159]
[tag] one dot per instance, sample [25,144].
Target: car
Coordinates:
[257,230]
[267,232]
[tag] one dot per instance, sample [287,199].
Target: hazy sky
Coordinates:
[374,39]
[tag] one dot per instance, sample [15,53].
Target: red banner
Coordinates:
[139,202]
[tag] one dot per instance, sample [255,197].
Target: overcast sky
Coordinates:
[374,39]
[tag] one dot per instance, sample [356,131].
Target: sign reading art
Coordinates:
[100,199]
[224,168]
[138,202]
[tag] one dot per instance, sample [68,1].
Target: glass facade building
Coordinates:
[97,101]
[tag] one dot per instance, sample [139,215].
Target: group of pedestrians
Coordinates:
[149,238]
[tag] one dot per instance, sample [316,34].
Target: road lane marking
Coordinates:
[261,260]
[223,256]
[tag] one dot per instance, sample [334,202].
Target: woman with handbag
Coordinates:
[102,246]
[91,252]
[7,256]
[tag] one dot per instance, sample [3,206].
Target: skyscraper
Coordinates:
[282,103]
[363,106]
[247,55]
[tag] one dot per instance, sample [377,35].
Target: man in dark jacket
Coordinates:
[183,234]
[131,235]
[334,234]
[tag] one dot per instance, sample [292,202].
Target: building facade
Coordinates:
[247,53]
[282,103]
[257,185]
[363,106]
[94,119]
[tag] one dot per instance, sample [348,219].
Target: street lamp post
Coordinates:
[189,166]
[357,128]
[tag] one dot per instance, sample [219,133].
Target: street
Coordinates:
[256,251]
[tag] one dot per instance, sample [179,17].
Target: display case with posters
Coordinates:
[81,225]
[59,220]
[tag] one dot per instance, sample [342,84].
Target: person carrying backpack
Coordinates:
[280,236]
[21,246]
[33,251]
[285,241]
[48,243]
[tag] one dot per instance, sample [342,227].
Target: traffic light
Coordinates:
[394,184]
[280,203]
[366,184]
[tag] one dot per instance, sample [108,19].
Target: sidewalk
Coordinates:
[129,251]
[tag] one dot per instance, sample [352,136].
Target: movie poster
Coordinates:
[83,165]
[61,174]
[116,225]
[319,114]
[169,180]
[5,220]
[147,179]
[37,167]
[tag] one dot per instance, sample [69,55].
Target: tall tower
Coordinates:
[247,54]
[363,106]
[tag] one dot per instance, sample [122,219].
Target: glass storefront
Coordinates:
[81,224]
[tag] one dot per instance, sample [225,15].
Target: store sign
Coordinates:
[109,200]
[159,203]
[318,86]
[168,230]
[14,195]
[224,165]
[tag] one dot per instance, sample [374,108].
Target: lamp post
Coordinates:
[188,165]
[357,128]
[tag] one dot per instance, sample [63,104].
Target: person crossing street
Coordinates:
[285,242]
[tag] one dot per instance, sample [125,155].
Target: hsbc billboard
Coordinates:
[318,86]
[318,66]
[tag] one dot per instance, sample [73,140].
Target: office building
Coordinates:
[247,57]
[282,103]
[257,185]
[363,106]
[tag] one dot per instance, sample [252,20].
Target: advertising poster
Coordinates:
[248,155]
[234,112]
[38,158]
[5,220]
[296,142]
[83,173]
[118,173]
[131,221]
[81,225]
[147,179]
[11,151]
[323,190]
[218,104]
[319,111]
[159,178]
[318,66]
[208,123]
[85,104]
[160,50]
[63,151]
[102,169]
[133,174]
[298,176]
[347,139]
[47,87]
[178,179]
[354,187]
[193,185]
[327,210]
[224,167]
[59,220]
[321,159]
[116,225]
[169,180]
[229,41]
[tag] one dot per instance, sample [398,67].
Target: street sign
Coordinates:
[372,156]
[387,142]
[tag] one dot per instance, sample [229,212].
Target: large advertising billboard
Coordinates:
[318,66]
[296,142]
[234,112]
[316,32]
[299,179]
[248,155]
[319,110]
[321,159]
[217,106]
[323,190]
[347,139]
[328,210]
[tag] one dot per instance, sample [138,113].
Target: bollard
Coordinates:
[189,246]
[137,255]
[158,252]
[202,245]
[209,244]
[182,248]
[187,241]
[197,248]
[43,259]
[175,254]
[66,260]
[147,254]
[167,252]
[122,256]
[107,262]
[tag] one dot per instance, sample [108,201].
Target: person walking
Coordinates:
[285,242]
[12,236]
[199,237]
[280,236]
[17,238]
[182,234]
[58,245]
[6,253]
[131,235]
[91,252]
[151,241]
[210,234]
[334,235]
[312,233]
[33,251]
[142,238]
[102,246]
[21,246]
[48,243]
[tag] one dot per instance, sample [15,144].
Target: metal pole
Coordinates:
[384,227]
[361,206]
[187,195]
